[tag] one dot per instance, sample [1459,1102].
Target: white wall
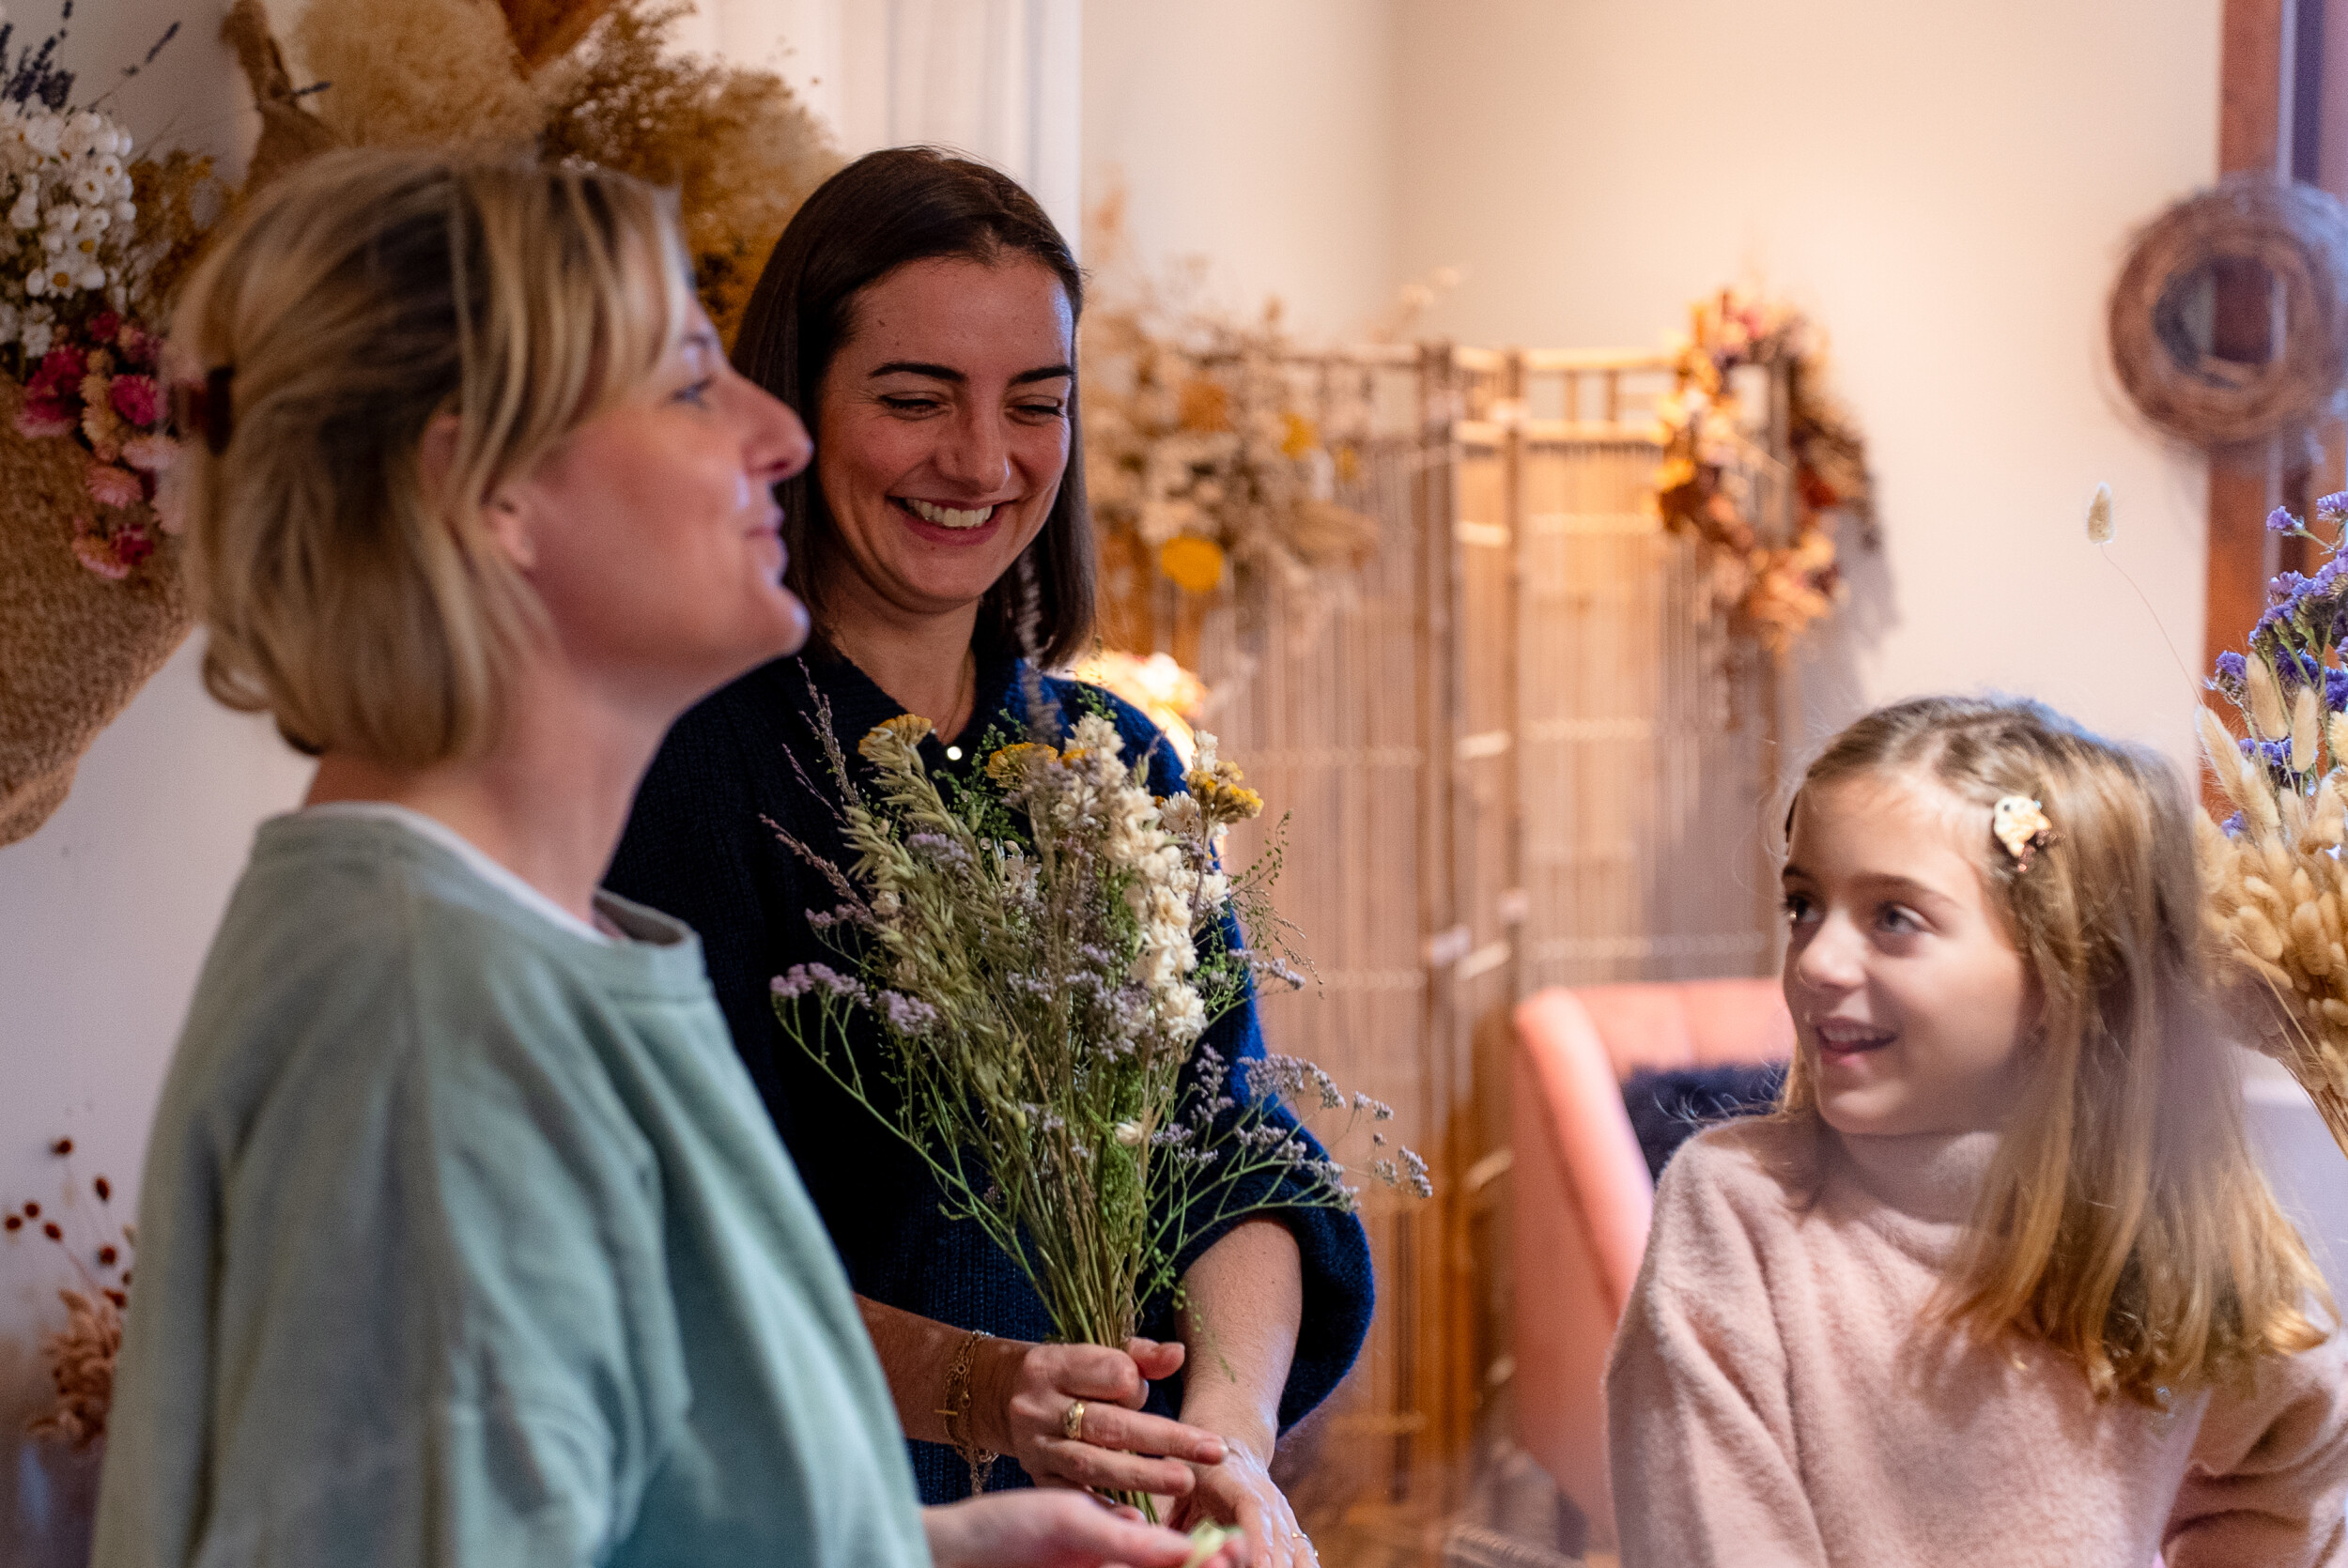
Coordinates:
[1260,134]
[1949,188]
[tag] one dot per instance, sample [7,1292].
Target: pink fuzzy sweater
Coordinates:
[1777,1395]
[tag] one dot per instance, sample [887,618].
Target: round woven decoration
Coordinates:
[74,648]
[2299,234]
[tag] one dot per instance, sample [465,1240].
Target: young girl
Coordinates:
[1999,1283]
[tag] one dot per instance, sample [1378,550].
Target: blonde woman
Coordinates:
[1999,1283]
[464,1236]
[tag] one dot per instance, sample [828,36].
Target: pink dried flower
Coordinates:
[44,416]
[150,455]
[132,543]
[60,371]
[112,487]
[104,324]
[139,346]
[135,399]
[96,551]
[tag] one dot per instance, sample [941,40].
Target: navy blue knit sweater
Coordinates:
[696,848]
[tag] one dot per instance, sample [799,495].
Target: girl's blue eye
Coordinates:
[1899,921]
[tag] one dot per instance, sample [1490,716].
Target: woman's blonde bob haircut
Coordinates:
[357,300]
[2122,1222]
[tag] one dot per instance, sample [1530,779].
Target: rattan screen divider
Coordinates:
[1514,752]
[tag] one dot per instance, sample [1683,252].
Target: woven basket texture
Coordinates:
[74,647]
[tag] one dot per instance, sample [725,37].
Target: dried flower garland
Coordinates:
[1772,589]
[2276,885]
[81,1357]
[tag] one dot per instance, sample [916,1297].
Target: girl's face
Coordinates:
[943,429]
[652,534]
[1910,1003]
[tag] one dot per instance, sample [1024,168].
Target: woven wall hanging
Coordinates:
[2163,310]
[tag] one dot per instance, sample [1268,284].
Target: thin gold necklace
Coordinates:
[966,693]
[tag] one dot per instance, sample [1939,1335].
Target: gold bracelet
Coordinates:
[957,1408]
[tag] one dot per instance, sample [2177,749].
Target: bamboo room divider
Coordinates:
[1513,751]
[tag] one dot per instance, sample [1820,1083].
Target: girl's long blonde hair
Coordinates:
[2123,1222]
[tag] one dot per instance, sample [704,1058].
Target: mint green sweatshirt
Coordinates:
[464,1240]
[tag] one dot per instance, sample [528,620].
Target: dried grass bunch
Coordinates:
[2276,884]
[1773,588]
[596,79]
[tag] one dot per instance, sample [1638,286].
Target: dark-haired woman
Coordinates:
[920,313]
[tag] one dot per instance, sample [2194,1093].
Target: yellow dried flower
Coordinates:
[1009,765]
[1221,797]
[1298,436]
[1193,564]
[892,739]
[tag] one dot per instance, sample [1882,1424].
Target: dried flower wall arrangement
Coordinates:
[597,80]
[95,236]
[81,1355]
[1202,454]
[1773,588]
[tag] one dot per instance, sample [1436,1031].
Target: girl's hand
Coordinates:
[1239,1491]
[1045,1529]
[1040,1384]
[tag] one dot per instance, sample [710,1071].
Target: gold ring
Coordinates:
[1071,1426]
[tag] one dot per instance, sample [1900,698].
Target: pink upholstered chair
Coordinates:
[1583,1197]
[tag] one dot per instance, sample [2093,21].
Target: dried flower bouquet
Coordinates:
[2276,886]
[1041,950]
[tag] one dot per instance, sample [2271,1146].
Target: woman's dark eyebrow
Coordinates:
[948,372]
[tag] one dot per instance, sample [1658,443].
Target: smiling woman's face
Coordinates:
[942,433]
[1910,999]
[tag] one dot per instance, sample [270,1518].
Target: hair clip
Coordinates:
[201,409]
[2021,826]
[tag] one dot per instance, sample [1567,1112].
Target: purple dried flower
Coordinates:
[2281,521]
[946,851]
[2336,690]
[2233,825]
[801,979]
[908,1015]
[2275,755]
[2332,508]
